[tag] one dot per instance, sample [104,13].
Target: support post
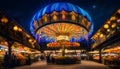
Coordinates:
[63,50]
[100,56]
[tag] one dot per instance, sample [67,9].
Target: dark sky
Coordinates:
[23,10]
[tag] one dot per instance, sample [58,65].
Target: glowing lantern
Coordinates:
[113,18]
[108,30]
[15,28]
[119,11]
[54,17]
[113,25]
[48,45]
[106,26]
[98,33]
[4,20]
[101,35]
[30,40]
[73,17]
[108,22]
[45,19]
[63,16]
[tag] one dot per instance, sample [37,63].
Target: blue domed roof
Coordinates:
[59,6]
[62,6]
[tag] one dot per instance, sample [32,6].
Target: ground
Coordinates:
[83,65]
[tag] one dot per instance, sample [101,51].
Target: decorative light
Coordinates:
[27,35]
[113,25]
[118,20]
[19,29]
[119,11]
[73,17]
[25,48]
[106,26]
[30,40]
[108,30]
[63,16]
[96,36]
[4,20]
[54,17]
[108,22]
[98,33]
[113,18]
[101,35]
[66,44]
[15,28]
[45,19]
[62,37]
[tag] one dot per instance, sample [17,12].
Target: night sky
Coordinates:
[23,10]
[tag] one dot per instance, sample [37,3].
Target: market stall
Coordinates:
[24,54]
[3,49]
[19,55]
[111,55]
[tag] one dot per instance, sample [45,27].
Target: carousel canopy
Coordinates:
[59,7]
[61,21]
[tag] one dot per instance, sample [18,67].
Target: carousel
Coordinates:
[62,25]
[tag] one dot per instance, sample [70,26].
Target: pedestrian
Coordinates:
[48,58]
[13,59]
[6,60]
[28,60]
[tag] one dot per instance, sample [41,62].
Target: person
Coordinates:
[6,59]
[48,58]
[13,59]
[42,57]
[28,60]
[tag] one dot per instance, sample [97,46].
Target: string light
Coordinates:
[101,35]
[15,28]
[113,25]
[4,20]
[106,26]
[113,18]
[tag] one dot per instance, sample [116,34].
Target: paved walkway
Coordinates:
[83,65]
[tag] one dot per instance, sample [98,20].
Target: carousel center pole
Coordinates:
[63,50]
